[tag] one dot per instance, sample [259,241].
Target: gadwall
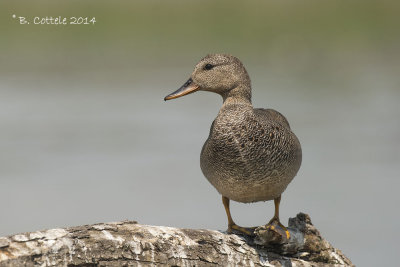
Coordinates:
[251,154]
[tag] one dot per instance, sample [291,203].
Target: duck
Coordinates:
[251,154]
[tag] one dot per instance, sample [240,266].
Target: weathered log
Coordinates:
[130,244]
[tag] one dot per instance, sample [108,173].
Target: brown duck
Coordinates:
[251,154]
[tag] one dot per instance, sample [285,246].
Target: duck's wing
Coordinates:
[271,114]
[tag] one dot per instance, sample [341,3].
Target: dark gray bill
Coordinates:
[188,88]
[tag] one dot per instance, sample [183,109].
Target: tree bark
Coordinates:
[130,244]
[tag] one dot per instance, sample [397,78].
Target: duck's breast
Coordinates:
[250,157]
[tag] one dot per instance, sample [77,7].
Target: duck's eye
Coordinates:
[208,67]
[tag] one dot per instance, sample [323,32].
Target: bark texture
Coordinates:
[130,244]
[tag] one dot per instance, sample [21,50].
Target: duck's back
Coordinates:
[250,154]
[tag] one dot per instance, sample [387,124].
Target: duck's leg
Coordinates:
[275,220]
[231,224]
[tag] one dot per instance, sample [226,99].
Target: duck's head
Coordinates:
[218,73]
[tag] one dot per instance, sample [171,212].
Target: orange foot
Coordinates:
[275,223]
[244,230]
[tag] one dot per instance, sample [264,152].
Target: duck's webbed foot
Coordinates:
[232,225]
[243,230]
[275,225]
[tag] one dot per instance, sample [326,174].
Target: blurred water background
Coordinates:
[86,136]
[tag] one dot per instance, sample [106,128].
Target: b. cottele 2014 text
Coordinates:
[50,20]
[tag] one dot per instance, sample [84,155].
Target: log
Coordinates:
[128,243]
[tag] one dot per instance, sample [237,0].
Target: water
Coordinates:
[78,150]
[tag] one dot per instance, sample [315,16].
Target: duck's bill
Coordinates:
[188,88]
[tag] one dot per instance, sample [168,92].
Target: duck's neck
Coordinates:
[238,95]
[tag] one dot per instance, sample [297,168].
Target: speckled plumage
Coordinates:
[251,154]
